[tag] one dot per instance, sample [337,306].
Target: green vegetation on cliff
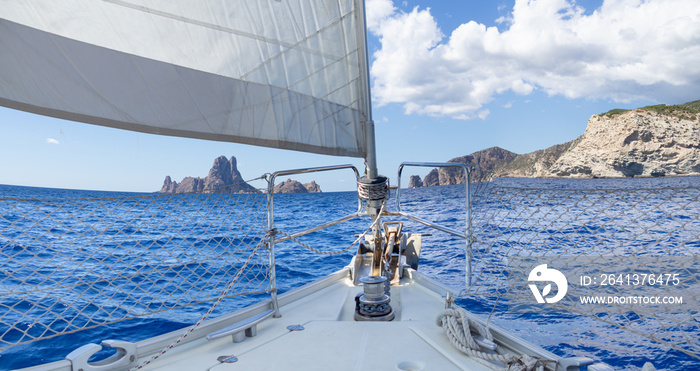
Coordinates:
[615,111]
[688,111]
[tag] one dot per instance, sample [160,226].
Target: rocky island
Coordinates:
[649,141]
[293,186]
[223,177]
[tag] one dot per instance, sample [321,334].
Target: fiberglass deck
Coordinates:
[331,339]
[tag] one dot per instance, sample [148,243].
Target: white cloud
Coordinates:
[377,12]
[483,114]
[51,141]
[625,50]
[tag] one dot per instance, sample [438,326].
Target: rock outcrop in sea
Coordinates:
[223,177]
[415,182]
[293,186]
[650,141]
[312,187]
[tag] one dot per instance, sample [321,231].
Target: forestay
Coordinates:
[287,74]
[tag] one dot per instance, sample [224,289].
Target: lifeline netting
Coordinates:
[72,264]
[630,256]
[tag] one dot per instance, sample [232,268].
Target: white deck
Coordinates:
[332,340]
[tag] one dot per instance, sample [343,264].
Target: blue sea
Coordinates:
[173,227]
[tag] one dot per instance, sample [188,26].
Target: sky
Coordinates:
[448,78]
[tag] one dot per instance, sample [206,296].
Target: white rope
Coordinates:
[458,328]
[373,192]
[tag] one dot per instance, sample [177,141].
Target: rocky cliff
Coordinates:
[223,177]
[642,142]
[293,186]
[415,182]
[534,163]
[487,160]
[312,187]
[650,141]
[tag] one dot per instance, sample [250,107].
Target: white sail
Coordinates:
[287,74]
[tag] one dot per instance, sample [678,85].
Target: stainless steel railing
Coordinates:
[468,232]
[271,220]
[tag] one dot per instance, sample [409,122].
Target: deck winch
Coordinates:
[373,303]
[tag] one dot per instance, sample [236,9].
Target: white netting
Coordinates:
[634,239]
[72,264]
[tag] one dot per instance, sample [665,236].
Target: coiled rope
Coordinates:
[458,328]
[373,190]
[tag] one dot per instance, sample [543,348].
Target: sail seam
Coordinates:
[297,45]
[287,45]
[197,22]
